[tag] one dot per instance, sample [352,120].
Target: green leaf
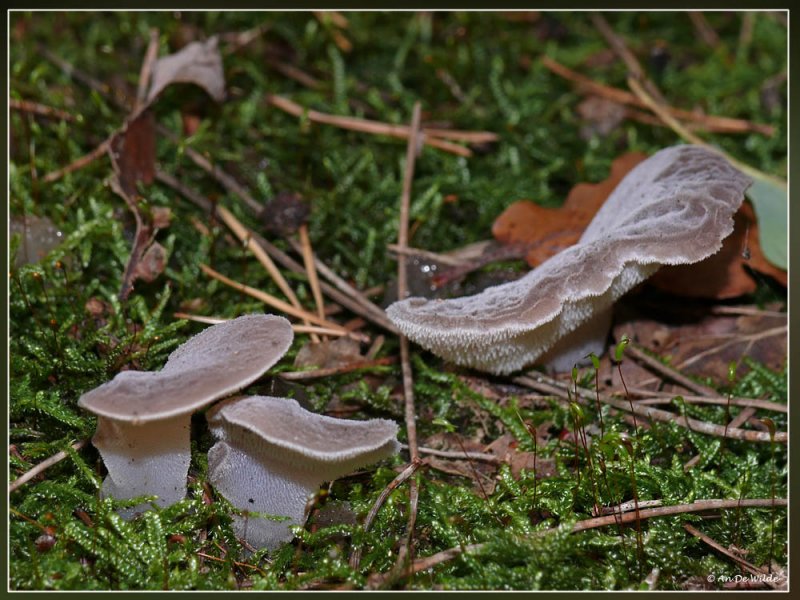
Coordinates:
[770,202]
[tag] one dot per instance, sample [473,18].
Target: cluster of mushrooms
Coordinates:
[271,455]
[674,208]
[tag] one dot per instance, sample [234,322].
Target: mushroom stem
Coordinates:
[151,459]
[286,500]
[574,348]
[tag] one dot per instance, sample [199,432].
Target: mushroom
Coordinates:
[144,417]
[273,455]
[674,208]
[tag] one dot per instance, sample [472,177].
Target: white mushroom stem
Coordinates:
[273,455]
[574,348]
[254,484]
[144,460]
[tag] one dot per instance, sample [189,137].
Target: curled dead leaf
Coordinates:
[549,230]
[199,63]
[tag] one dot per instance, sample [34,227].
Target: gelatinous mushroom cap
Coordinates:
[305,439]
[145,417]
[674,208]
[214,363]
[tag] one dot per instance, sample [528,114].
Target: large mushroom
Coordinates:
[144,417]
[273,455]
[674,208]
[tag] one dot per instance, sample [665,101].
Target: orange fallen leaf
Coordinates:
[547,231]
[723,275]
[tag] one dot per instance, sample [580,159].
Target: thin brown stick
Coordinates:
[271,300]
[429,562]
[620,48]
[336,18]
[40,110]
[629,506]
[296,328]
[246,237]
[355,557]
[43,466]
[363,125]
[541,382]
[656,365]
[751,568]
[311,270]
[459,455]
[150,57]
[655,397]
[330,371]
[228,182]
[710,122]
[704,29]
[368,309]
[687,135]
[293,72]
[747,310]
[412,149]
[81,162]
[439,258]
[737,339]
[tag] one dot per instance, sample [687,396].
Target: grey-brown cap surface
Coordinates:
[212,364]
[674,208]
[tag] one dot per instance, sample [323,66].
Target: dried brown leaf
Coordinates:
[549,230]
[723,275]
[134,150]
[199,63]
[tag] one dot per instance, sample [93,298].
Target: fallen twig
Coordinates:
[379,128]
[459,455]
[246,237]
[228,182]
[311,270]
[710,122]
[412,150]
[704,29]
[40,110]
[687,135]
[355,557]
[620,48]
[81,162]
[330,371]
[42,466]
[541,382]
[150,57]
[641,356]
[296,328]
[443,259]
[271,300]
[368,309]
[428,562]
[655,397]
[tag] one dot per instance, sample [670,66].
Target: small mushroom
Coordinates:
[273,455]
[674,208]
[144,417]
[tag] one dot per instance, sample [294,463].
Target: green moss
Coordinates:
[69,331]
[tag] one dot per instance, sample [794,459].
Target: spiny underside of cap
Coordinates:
[674,208]
[288,428]
[215,363]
